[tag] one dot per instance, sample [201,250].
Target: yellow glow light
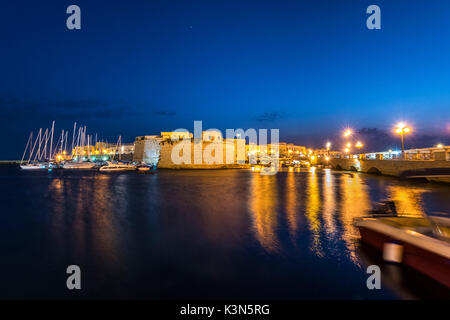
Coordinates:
[359,144]
[347,150]
[349,145]
[401,128]
[348,133]
[440,145]
[327,158]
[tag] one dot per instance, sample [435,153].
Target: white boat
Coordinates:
[110,166]
[34,166]
[79,165]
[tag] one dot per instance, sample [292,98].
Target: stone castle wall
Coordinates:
[158,152]
[169,148]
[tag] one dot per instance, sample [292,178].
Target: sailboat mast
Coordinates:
[88,147]
[51,141]
[65,142]
[62,142]
[38,154]
[73,136]
[26,147]
[31,153]
[46,141]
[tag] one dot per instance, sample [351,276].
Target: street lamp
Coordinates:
[328,145]
[401,130]
[440,146]
[348,133]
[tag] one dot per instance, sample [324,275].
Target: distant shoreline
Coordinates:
[9,162]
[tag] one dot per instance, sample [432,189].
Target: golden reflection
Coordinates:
[329,203]
[355,203]
[58,194]
[408,200]
[103,229]
[88,226]
[263,205]
[291,204]
[312,211]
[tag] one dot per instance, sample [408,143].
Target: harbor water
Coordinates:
[202,234]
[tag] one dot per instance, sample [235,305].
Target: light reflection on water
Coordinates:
[245,234]
[263,206]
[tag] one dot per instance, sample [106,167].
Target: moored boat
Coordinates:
[422,243]
[34,166]
[119,166]
[143,168]
[79,165]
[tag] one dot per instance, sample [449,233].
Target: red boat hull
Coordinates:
[433,265]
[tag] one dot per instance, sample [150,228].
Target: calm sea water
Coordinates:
[201,234]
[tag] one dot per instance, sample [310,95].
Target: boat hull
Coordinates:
[79,166]
[105,169]
[33,167]
[431,264]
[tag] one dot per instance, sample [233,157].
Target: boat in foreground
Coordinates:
[422,243]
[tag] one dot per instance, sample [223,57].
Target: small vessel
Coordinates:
[79,165]
[144,168]
[34,166]
[422,243]
[117,166]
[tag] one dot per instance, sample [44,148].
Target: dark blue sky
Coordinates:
[309,68]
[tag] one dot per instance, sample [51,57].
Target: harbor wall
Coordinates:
[387,167]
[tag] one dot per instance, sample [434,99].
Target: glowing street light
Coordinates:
[401,130]
[440,146]
[359,145]
[328,145]
[347,150]
[348,133]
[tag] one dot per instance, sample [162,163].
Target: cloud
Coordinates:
[12,108]
[270,116]
[164,113]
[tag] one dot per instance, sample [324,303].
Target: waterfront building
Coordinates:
[181,150]
[104,151]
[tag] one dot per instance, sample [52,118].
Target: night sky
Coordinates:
[309,68]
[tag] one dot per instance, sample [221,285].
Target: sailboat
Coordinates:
[38,160]
[114,166]
[82,141]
